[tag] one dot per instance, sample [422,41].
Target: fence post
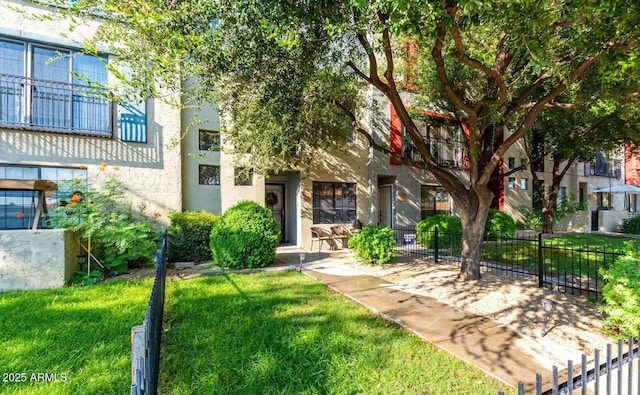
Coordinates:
[540,262]
[139,353]
[435,244]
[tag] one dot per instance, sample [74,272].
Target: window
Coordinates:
[523,184]
[444,139]
[209,175]
[434,200]
[334,202]
[512,183]
[562,195]
[512,163]
[53,89]
[243,176]
[209,140]
[17,208]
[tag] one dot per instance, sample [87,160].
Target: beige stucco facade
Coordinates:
[150,171]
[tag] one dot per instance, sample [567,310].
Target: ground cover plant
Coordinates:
[285,333]
[79,337]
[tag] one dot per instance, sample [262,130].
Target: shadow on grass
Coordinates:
[285,333]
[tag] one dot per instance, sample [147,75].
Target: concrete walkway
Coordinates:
[492,347]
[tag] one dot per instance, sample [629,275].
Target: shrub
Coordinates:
[449,231]
[120,238]
[499,225]
[374,244]
[621,293]
[245,236]
[190,236]
[631,226]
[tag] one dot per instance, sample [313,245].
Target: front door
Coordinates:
[275,201]
[386,217]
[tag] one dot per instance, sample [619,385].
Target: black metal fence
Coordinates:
[617,374]
[145,338]
[555,265]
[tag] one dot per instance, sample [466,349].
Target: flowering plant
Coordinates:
[118,237]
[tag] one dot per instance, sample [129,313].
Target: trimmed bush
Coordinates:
[449,231]
[245,237]
[621,293]
[190,236]
[631,226]
[375,244]
[499,225]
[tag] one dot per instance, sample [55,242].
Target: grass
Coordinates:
[578,255]
[77,336]
[285,333]
[252,333]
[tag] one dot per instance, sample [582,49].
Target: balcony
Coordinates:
[605,167]
[446,152]
[50,106]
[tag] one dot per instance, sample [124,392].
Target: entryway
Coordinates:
[275,200]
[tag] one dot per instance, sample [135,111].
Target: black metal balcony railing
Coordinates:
[36,104]
[446,152]
[606,167]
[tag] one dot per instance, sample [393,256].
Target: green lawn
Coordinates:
[237,334]
[283,333]
[77,336]
[573,254]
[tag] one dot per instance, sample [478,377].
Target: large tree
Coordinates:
[290,75]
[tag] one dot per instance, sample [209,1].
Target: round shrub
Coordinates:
[245,236]
[449,231]
[621,293]
[374,244]
[499,225]
[190,236]
[631,226]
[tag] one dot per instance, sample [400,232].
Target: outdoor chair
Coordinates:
[342,233]
[321,235]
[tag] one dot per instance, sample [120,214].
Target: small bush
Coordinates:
[631,226]
[375,244]
[245,236]
[190,236]
[499,225]
[621,293]
[449,231]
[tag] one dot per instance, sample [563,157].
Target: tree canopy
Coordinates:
[291,76]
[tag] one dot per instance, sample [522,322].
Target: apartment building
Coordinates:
[54,126]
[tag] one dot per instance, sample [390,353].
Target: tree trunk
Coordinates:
[473,217]
[547,215]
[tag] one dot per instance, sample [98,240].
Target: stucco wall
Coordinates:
[150,172]
[37,260]
[197,197]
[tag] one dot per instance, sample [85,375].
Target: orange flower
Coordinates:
[20,215]
[103,166]
[77,181]
[116,168]
[71,205]
[76,198]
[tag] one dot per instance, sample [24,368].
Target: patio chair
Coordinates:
[321,235]
[342,233]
